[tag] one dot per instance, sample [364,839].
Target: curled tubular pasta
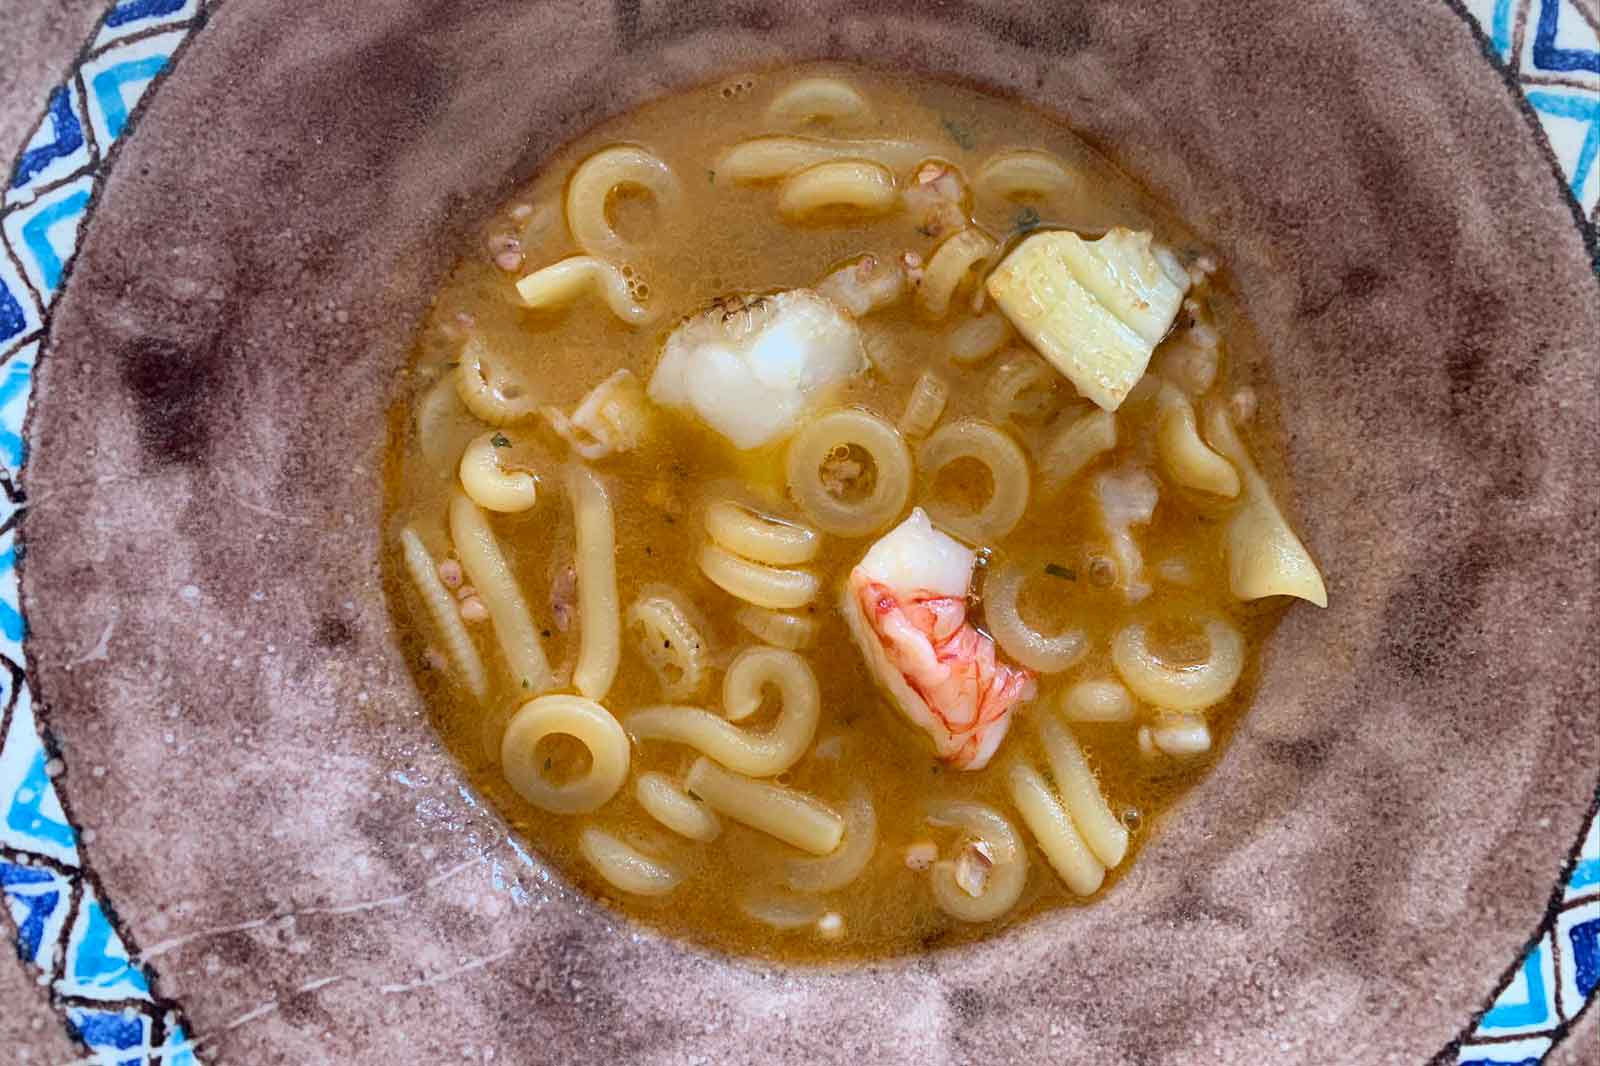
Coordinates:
[1022,175]
[833,434]
[1179,688]
[487,391]
[1019,640]
[591,186]
[758,537]
[669,642]
[489,484]
[599,615]
[951,263]
[845,863]
[442,606]
[813,99]
[560,283]
[978,338]
[925,405]
[1184,455]
[1265,558]
[1085,438]
[665,800]
[586,722]
[771,158]
[748,752]
[1003,850]
[792,817]
[1101,830]
[764,586]
[1052,827]
[856,184]
[486,568]
[1097,701]
[624,866]
[781,630]
[1022,389]
[970,438]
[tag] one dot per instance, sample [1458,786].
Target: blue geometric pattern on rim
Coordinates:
[62,928]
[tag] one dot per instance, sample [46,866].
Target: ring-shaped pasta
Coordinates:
[781,630]
[822,437]
[670,643]
[591,186]
[624,866]
[978,338]
[1008,873]
[563,281]
[1021,175]
[859,185]
[484,390]
[764,586]
[586,722]
[1023,388]
[758,537]
[1186,457]
[971,438]
[925,405]
[952,261]
[442,606]
[1179,688]
[1021,642]
[489,484]
[770,158]
[1097,701]
[846,862]
[791,816]
[665,800]
[818,99]
[1052,828]
[758,754]
[1101,830]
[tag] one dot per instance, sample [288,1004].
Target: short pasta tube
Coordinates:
[1027,174]
[759,754]
[625,867]
[809,100]
[487,569]
[586,722]
[791,816]
[665,800]
[824,457]
[1096,701]
[978,338]
[1179,688]
[1054,831]
[860,186]
[772,158]
[971,438]
[1101,830]
[925,405]
[986,878]
[1184,456]
[562,282]
[758,537]
[764,586]
[592,184]
[1070,452]
[846,862]
[487,481]
[953,261]
[778,628]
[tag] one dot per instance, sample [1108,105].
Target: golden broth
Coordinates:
[727,238]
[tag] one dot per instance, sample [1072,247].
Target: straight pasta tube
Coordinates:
[497,587]
[600,643]
[1052,827]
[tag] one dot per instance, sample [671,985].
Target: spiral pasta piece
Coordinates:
[1179,688]
[818,99]
[591,186]
[748,752]
[586,722]
[559,284]
[599,614]
[624,866]
[1097,701]
[488,483]
[1022,175]
[1185,456]
[1020,641]
[846,862]
[758,537]
[1101,830]
[862,187]
[925,405]
[951,263]
[771,158]
[665,800]
[781,630]
[442,606]
[487,391]
[670,644]
[1001,849]
[791,816]
[1052,828]
[971,438]
[835,433]
[486,568]
[764,586]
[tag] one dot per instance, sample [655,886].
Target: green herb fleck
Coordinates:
[959,132]
[525,683]
[500,440]
[1026,220]
[452,366]
[545,633]
[711,177]
[1057,570]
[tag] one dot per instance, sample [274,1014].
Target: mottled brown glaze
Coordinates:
[277,825]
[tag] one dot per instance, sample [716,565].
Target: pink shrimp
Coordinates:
[906,603]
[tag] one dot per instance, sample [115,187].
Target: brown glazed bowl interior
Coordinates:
[277,822]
